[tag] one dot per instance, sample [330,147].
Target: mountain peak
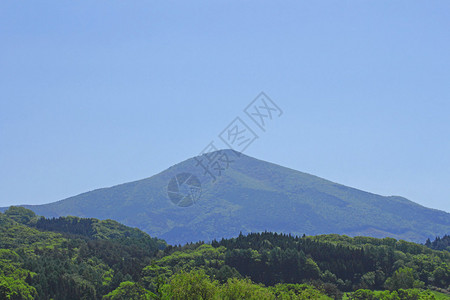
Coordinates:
[221,193]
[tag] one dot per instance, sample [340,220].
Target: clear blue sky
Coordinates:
[98,93]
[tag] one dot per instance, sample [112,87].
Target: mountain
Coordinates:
[250,196]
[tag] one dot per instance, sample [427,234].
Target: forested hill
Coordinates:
[74,258]
[252,195]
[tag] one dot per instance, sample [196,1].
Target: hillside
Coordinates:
[253,196]
[79,258]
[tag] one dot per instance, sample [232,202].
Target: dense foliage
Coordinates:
[347,262]
[68,258]
[439,243]
[74,258]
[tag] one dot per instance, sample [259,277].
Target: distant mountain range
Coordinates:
[249,195]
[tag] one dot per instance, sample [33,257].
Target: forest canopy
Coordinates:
[85,258]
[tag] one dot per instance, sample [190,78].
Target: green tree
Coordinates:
[15,289]
[368,280]
[130,290]
[403,278]
[20,214]
[312,269]
[194,285]
[236,289]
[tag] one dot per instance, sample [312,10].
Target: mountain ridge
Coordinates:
[252,195]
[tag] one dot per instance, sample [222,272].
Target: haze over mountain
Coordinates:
[251,196]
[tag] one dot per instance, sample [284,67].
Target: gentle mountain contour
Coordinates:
[250,196]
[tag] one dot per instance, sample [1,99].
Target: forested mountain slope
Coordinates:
[73,258]
[253,196]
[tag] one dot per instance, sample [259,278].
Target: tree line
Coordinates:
[85,258]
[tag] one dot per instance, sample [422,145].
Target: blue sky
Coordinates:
[98,93]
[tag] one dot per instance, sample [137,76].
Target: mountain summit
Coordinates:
[222,193]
